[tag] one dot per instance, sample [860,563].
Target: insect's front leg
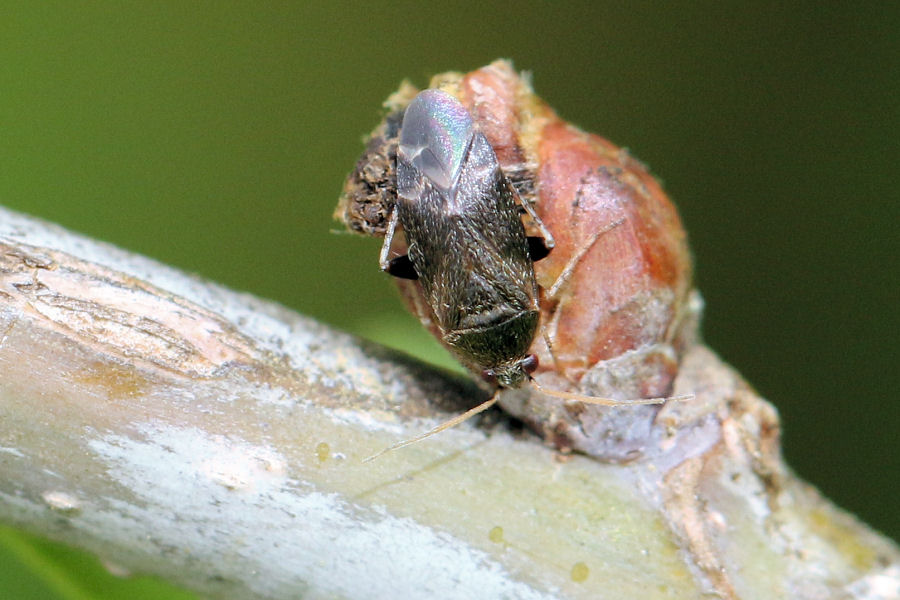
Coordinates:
[399,266]
[539,246]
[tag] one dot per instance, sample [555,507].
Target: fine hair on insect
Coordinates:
[467,248]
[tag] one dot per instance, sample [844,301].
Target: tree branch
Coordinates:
[175,427]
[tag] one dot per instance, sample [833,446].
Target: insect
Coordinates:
[467,247]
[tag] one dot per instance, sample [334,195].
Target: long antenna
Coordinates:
[445,425]
[604,401]
[493,399]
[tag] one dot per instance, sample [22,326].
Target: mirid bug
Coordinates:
[465,240]
[467,247]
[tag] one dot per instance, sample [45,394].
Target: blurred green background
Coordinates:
[215,137]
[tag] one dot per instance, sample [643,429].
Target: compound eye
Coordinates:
[490,376]
[530,364]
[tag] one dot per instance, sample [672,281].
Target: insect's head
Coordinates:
[511,375]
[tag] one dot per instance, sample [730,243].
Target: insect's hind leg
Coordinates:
[549,329]
[569,269]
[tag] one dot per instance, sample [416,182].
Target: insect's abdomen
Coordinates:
[474,265]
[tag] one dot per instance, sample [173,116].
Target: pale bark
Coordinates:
[175,427]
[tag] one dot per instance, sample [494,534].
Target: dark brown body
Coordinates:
[465,239]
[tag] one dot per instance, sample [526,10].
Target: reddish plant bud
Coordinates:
[615,292]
